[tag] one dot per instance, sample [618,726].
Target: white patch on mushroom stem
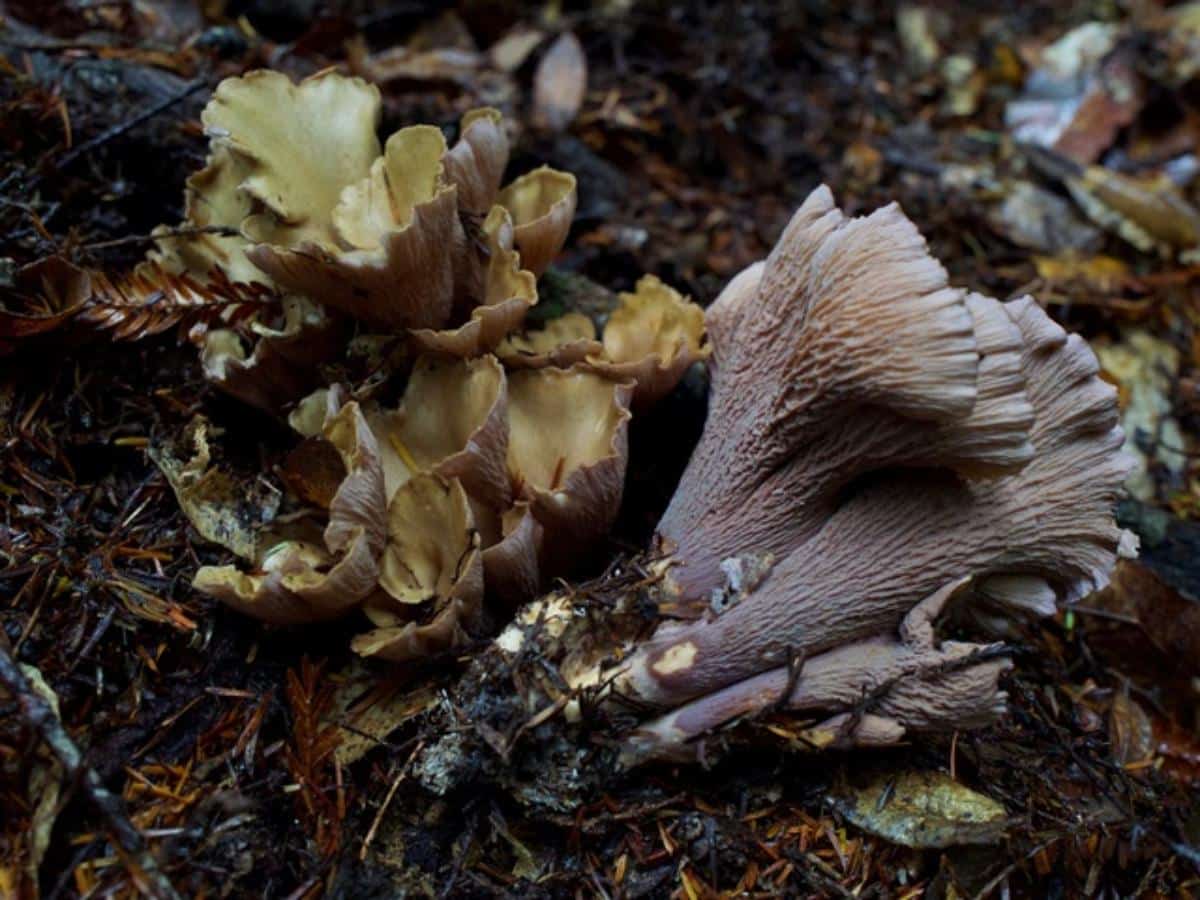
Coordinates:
[675,659]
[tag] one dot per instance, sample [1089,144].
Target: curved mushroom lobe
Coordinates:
[848,321]
[1018,489]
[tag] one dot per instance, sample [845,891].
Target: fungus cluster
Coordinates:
[878,445]
[502,459]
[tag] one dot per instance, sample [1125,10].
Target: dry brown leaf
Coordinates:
[924,809]
[560,84]
[1130,731]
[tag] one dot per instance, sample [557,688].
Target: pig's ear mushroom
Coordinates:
[849,326]
[296,582]
[1015,493]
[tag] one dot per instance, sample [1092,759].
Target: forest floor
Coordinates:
[702,127]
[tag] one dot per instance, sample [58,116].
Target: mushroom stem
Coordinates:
[904,679]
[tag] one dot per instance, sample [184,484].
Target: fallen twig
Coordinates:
[39,716]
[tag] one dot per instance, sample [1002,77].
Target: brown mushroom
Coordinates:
[652,338]
[431,576]
[475,164]
[212,199]
[300,581]
[1051,519]
[542,205]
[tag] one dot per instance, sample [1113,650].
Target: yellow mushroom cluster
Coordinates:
[503,460]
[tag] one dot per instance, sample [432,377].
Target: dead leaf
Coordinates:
[367,708]
[1080,96]
[560,83]
[224,509]
[1033,217]
[1129,731]
[510,52]
[313,471]
[47,294]
[1150,213]
[1099,274]
[1144,368]
[923,809]
[1170,620]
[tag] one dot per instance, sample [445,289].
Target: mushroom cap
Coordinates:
[542,205]
[475,165]
[302,144]
[280,366]
[561,342]
[432,550]
[409,173]
[451,422]
[390,254]
[212,198]
[894,539]
[298,582]
[652,338]
[432,574]
[567,451]
[512,565]
[846,344]
[508,293]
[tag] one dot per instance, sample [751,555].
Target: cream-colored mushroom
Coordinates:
[542,204]
[432,574]
[567,451]
[300,145]
[280,365]
[508,293]
[298,581]
[451,422]
[561,342]
[390,253]
[652,338]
